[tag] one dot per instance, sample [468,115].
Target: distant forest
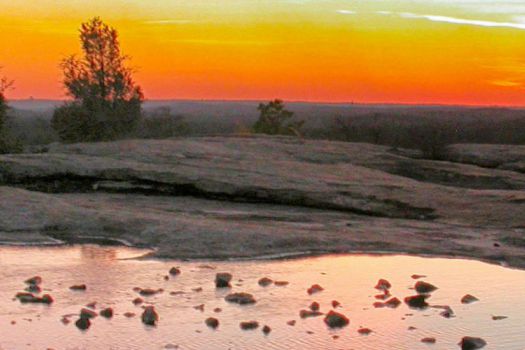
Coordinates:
[393,125]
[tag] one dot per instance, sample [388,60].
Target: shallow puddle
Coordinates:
[350,279]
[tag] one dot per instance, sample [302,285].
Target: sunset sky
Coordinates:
[366,51]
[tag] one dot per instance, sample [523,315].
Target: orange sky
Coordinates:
[417,51]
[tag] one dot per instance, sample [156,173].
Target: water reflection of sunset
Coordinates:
[347,279]
[460,52]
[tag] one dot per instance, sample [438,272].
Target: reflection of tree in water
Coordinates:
[98,253]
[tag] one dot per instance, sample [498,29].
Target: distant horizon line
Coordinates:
[340,103]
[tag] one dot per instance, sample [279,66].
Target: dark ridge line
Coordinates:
[70,183]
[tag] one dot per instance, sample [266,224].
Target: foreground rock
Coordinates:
[249,325]
[31,298]
[417,301]
[240,298]
[472,343]
[336,320]
[150,316]
[212,322]
[222,280]
[107,312]
[343,190]
[468,299]
[78,287]
[83,323]
[424,287]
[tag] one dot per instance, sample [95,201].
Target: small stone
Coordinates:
[424,287]
[472,343]
[212,322]
[107,312]
[315,306]
[383,284]
[498,318]
[266,330]
[309,313]
[199,307]
[138,301]
[222,280]
[336,320]
[364,331]
[314,289]
[150,316]
[281,283]
[174,271]
[197,290]
[265,281]
[417,301]
[37,280]
[217,310]
[393,302]
[87,313]
[240,298]
[468,299]
[416,277]
[78,287]
[83,323]
[149,292]
[129,314]
[335,303]
[249,325]
[428,340]
[291,323]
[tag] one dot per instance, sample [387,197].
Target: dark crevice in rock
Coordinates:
[70,183]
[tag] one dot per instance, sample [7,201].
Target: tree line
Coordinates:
[106,102]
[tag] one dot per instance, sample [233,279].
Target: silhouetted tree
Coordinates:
[106,101]
[274,119]
[5,141]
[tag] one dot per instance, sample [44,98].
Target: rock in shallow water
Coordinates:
[417,301]
[83,323]
[174,271]
[78,287]
[468,299]
[107,312]
[37,280]
[265,281]
[336,320]
[223,279]
[472,343]
[247,325]
[150,316]
[383,284]
[240,298]
[87,313]
[212,322]
[314,289]
[424,287]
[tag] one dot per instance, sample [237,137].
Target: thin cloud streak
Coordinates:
[463,21]
[346,12]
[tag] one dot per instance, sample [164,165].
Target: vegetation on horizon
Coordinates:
[8,144]
[106,101]
[274,119]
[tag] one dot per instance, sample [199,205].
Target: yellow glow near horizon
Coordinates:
[420,51]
